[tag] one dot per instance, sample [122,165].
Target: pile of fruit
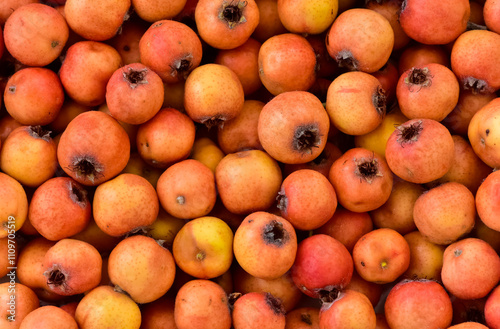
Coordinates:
[244,164]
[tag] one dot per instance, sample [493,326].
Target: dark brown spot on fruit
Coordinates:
[275,304]
[78,194]
[306,318]
[487,132]
[274,233]
[126,48]
[54,44]
[12,89]
[55,278]
[362,263]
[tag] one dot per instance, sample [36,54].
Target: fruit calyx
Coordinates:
[57,278]
[328,294]
[306,137]
[275,304]
[408,134]
[420,77]
[345,59]
[135,77]
[215,121]
[86,168]
[39,132]
[379,100]
[475,85]
[274,233]
[367,169]
[282,201]
[181,67]
[78,194]
[231,12]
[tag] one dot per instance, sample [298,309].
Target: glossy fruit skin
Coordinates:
[487,201]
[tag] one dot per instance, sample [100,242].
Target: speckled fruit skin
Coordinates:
[484,133]
[137,261]
[213,94]
[361,172]
[302,16]
[86,69]
[488,201]
[134,94]
[40,42]
[156,10]
[351,309]
[422,154]
[265,245]
[79,263]
[124,203]
[222,27]
[49,316]
[307,199]
[360,39]
[381,255]
[178,58]
[240,190]
[356,103]
[418,304]
[97,21]
[429,91]
[103,307]
[287,62]
[26,302]
[421,20]
[445,213]
[187,189]
[492,309]
[96,137]
[473,61]
[202,304]
[34,96]
[293,127]
[60,208]
[322,264]
[471,268]
[491,11]
[258,309]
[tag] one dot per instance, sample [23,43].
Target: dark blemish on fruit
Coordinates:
[274,233]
